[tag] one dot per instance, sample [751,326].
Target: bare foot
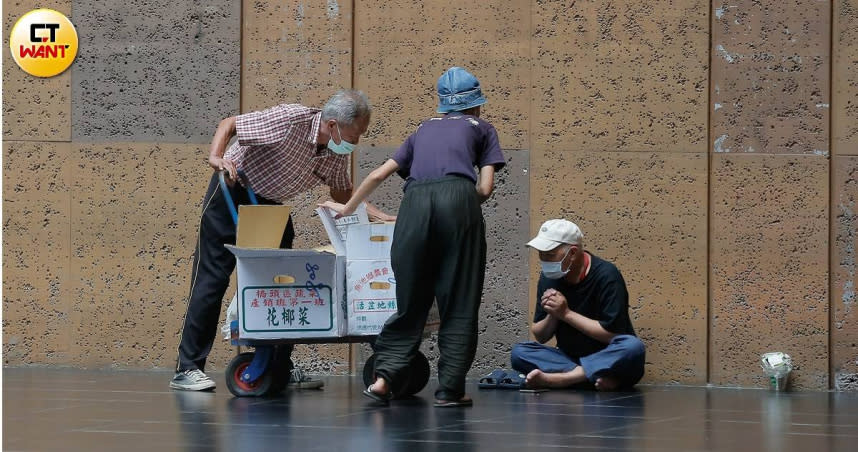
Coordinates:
[380,387]
[607,384]
[538,379]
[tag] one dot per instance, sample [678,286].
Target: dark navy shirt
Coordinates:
[449,145]
[601,296]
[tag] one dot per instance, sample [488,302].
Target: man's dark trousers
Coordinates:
[213,265]
[438,253]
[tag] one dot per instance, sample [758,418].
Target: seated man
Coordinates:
[581,301]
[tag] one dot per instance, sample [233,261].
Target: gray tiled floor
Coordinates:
[50,409]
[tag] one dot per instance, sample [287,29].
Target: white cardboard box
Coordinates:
[289,294]
[270,305]
[338,230]
[371,295]
[370,283]
[369,241]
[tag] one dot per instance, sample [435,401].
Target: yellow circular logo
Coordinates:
[43,42]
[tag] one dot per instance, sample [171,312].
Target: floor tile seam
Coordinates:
[542,403]
[617,416]
[28,399]
[98,424]
[516,433]
[802,424]
[290,425]
[833,435]
[656,421]
[117,432]
[27,380]
[110,391]
[628,396]
[54,409]
[510,445]
[792,413]
[428,430]
[714,429]
[574,404]
[467,422]
[434,441]
[655,438]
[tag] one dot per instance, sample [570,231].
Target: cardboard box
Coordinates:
[305,294]
[371,298]
[338,230]
[370,282]
[288,294]
[369,241]
[371,295]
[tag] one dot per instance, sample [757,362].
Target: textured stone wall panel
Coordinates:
[155,70]
[844,303]
[135,214]
[619,76]
[770,77]
[34,108]
[294,52]
[769,267]
[844,98]
[36,246]
[403,46]
[645,212]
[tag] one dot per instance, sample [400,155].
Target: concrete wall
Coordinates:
[708,149]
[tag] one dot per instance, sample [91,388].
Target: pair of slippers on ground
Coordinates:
[441,402]
[503,379]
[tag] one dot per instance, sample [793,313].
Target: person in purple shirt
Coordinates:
[439,243]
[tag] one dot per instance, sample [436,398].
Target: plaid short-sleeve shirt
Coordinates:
[277,150]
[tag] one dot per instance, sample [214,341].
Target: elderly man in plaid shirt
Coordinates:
[283,151]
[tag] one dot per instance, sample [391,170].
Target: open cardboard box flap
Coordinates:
[262,226]
[337,229]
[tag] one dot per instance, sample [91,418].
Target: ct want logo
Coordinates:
[43,42]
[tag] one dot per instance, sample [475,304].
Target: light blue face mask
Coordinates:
[554,270]
[344,148]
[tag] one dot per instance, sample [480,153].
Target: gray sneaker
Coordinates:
[297,380]
[192,380]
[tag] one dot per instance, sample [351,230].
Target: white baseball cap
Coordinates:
[554,233]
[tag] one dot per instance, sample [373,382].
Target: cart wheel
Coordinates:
[418,374]
[369,371]
[240,388]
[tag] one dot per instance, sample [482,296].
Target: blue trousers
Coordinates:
[622,359]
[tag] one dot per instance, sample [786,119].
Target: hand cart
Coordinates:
[266,371]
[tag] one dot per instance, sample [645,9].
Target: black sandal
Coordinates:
[446,399]
[380,398]
[464,401]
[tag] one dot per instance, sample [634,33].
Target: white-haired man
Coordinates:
[582,301]
[284,151]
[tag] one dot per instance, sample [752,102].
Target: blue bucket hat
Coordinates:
[458,90]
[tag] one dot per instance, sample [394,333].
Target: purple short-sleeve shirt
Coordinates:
[450,145]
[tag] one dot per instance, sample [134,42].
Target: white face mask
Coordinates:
[554,270]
